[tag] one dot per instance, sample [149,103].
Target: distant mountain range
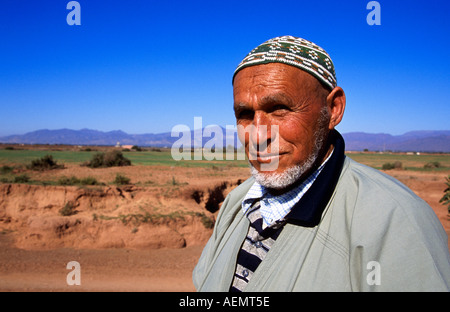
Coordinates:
[415,141]
[193,138]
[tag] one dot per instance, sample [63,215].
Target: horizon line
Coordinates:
[196,129]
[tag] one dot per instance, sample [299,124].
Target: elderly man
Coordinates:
[316,220]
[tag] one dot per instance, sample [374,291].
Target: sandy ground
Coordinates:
[430,187]
[36,243]
[100,270]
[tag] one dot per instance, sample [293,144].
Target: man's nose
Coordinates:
[260,135]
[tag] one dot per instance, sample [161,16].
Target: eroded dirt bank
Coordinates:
[48,217]
[173,216]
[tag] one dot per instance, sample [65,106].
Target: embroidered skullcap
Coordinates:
[296,52]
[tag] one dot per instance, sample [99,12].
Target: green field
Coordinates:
[23,157]
[409,162]
[146,158]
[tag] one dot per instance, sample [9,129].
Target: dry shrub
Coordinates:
[44,163]
[109,159]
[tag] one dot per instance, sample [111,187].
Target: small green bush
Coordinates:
[445,200]
[207,222]
[68,209]
[390,166]
[121,180]
[5,169]
[23,178]
[432,165]
[75,181]
[68,181]
[97,160]
[44,163]
[89,181]
[116,158]
[109,159]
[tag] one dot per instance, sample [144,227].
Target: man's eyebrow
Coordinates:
[240,106]
[277,98]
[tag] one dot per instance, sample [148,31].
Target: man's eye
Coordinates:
[245,114]
[279,108]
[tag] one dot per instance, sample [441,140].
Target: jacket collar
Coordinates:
[308,211]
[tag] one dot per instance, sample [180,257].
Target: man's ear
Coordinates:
[336,105]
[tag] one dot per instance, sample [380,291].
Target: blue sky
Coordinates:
[146,66]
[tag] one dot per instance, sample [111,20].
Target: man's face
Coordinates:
[276,94]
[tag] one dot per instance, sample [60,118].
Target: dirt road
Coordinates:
[100,270]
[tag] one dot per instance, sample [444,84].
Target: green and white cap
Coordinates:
[293,51]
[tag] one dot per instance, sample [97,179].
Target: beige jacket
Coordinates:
[374,235]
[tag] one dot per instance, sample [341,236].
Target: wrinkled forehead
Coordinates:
[274,80]
[274,73]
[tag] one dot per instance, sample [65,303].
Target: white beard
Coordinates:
[284,179]
[289,176]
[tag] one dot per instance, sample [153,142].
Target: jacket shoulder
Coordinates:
[390,224]
[241,190]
